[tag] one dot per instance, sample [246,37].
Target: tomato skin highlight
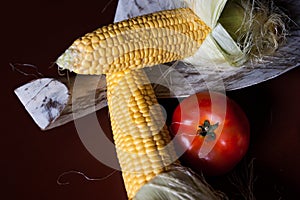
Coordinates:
[232,133]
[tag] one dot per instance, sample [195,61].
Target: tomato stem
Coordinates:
[207,130]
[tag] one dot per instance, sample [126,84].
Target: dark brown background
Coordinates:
[37,32]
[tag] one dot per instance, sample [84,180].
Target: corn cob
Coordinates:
[120,51]
[141,137]
[135,43]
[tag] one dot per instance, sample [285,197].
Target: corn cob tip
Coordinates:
[69,59]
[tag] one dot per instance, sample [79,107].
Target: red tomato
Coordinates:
[211,132]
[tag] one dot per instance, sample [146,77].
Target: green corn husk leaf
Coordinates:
[241,30]
[257,27]
[228,46]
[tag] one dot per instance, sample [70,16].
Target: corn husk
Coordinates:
[179,183]
[219,74]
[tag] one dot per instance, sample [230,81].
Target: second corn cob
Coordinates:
[141,137]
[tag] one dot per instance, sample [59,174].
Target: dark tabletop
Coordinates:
[37,32]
